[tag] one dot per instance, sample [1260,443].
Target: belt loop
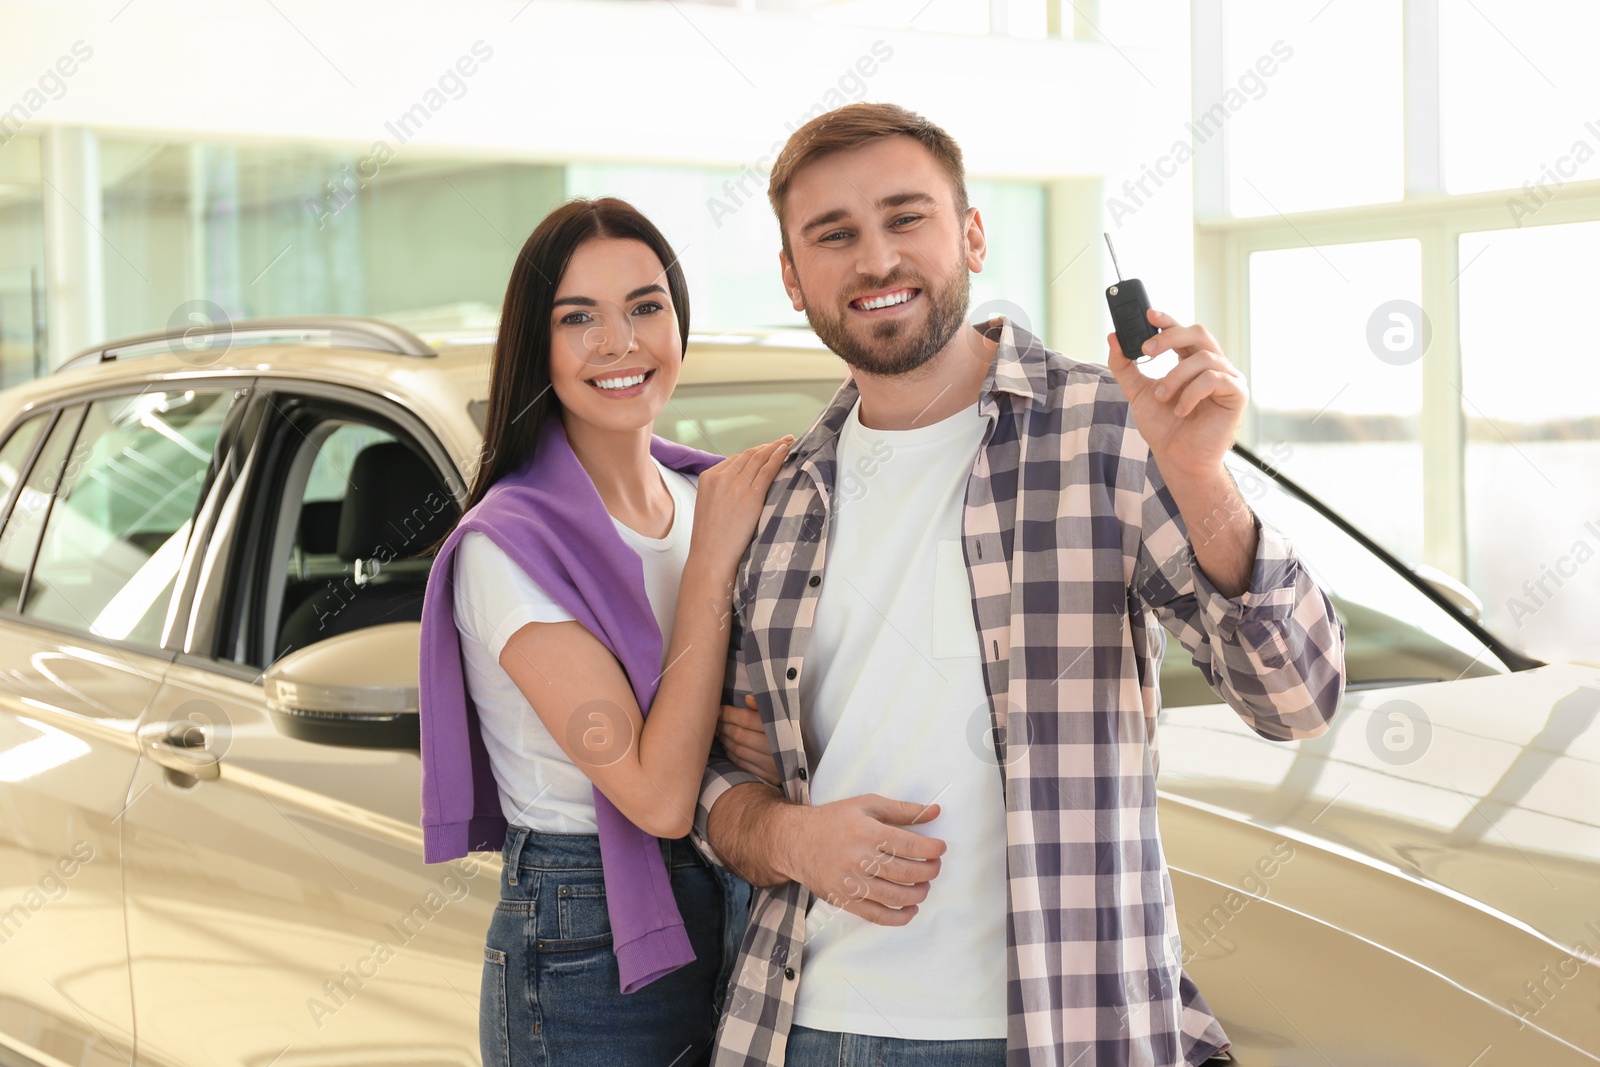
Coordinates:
[513,852]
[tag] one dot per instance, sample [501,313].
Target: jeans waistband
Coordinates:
[529,849]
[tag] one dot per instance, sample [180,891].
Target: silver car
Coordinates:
[210,849]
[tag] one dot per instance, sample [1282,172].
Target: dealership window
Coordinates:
[248,231]
[1477,456]
[723,229]
[718,222]
[1337,381]
[21,260]
[1530,396]
[1307,125]
[1519,92]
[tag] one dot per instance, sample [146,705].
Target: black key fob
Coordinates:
[1129,307]
[1129,312]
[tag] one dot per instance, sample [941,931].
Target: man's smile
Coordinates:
[885,301]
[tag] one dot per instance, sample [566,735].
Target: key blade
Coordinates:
[1113,251]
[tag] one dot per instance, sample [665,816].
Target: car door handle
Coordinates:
[181,747]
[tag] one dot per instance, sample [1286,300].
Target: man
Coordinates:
[943,623]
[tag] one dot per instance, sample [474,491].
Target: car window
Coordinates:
[116,532]
[310,574]
[21,533]
[360,501]
[14,453]
[329,479]
[1394,634]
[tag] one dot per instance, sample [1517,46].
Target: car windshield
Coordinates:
[1394,633]
[729,418]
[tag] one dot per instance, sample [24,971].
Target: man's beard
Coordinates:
[898,347]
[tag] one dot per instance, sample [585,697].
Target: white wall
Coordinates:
[604,79]
[611,80]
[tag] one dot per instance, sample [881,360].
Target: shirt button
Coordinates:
[788,972]
[802,774]
[816,580]
[791,674]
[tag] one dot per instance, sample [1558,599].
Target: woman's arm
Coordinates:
[651,770]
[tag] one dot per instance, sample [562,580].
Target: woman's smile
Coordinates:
[620,385]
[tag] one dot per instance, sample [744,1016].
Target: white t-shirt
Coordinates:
[540,787]
[893,702]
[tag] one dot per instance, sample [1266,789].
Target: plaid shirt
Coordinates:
[1072,540]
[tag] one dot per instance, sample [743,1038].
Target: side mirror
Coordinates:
[1453,590]
[358,690]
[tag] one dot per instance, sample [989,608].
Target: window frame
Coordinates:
[50,415]
[1427,213]
[243,544]
[1223,248]
[64,406]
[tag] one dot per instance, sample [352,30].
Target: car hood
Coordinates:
[1486,788]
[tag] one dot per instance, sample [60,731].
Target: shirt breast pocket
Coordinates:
[955,635]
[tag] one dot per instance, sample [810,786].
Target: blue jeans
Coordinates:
[825,1048]
[551,992]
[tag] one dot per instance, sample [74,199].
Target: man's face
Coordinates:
[881,259]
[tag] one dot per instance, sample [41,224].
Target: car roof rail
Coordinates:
[342,331]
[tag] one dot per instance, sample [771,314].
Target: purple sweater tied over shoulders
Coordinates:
[548,517]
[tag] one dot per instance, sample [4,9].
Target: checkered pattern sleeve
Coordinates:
[1275,652]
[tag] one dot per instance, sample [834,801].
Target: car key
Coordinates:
[1129,312]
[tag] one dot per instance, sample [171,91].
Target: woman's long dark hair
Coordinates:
[521,398]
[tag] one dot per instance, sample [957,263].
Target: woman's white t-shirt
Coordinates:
[540,787]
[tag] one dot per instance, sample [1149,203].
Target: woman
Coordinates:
[577,599]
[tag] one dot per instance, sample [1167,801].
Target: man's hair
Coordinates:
[850,127]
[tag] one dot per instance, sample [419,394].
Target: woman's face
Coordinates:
[614,343]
